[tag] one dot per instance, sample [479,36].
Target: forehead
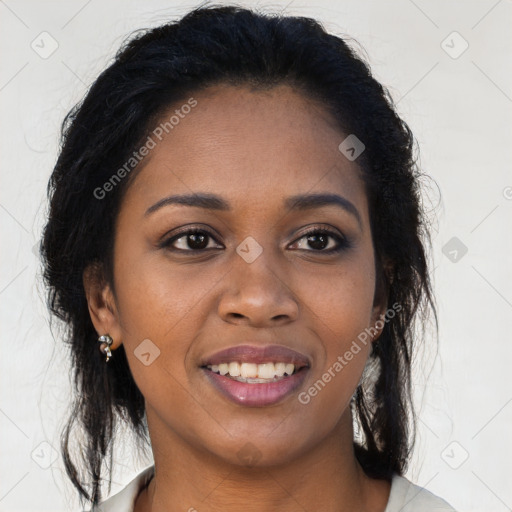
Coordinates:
[251,147]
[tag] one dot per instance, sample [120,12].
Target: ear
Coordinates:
[102,307]
[384,278]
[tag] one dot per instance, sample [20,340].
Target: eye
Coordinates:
[322,240]
[190,241]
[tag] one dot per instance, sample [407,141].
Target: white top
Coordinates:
[404,496]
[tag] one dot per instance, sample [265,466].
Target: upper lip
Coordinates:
[257,355]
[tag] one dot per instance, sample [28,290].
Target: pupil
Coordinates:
[313,241]
[197,241]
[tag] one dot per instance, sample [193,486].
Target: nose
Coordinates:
[258,295]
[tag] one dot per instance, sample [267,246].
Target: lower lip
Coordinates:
[259,394]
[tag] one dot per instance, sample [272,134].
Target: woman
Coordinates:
[236,242]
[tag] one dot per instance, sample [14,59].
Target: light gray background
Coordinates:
[459,108]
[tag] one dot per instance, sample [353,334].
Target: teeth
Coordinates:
[251,372]
[248,370]
[280,369]
[266,371]
[234,369]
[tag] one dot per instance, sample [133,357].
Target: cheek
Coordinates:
[163,304]
[155,296]
[340,300]
[158,314]
[340,306]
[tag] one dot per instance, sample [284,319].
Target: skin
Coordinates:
[253,148]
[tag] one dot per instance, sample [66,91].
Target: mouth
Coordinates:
[256,376]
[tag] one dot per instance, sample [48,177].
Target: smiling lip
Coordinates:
[257,394]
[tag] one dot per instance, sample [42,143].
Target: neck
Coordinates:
[327,477]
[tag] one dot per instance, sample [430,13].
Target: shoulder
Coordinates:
[408,497]
[124,500]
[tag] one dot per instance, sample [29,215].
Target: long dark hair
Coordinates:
[157,67]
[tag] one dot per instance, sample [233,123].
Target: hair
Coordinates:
[158,67]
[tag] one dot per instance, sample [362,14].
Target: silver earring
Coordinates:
[106,340]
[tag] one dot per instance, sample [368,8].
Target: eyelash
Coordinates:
[342,242]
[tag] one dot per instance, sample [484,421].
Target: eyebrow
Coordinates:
[307,201]
[298,202]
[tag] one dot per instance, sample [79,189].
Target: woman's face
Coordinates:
[250,277]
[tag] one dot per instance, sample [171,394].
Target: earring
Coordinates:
[106,341]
